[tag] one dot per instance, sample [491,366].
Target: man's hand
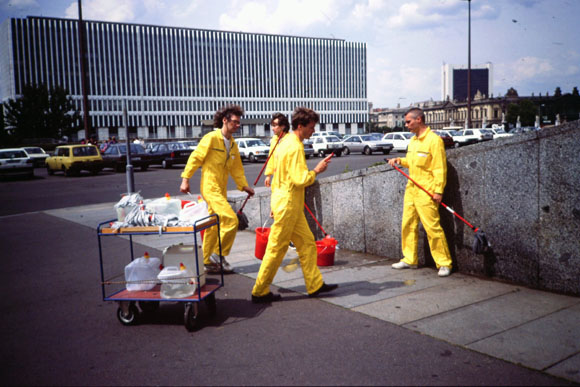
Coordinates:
[437,198]
[184,185]
[394,161]
[249,190]
[267,181]
[321,166]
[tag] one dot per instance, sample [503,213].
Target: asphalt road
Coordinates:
[56,330]
[44,192]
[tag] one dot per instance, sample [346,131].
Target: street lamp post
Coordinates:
[469,63]
[84,79]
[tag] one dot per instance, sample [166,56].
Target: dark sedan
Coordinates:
[446,137]
[168,154]
[115,156]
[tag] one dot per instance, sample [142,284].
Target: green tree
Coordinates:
[525,109]
[41,113]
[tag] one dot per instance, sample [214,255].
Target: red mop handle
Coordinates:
[431,195]
[244,204]
[270,155]
[313,217]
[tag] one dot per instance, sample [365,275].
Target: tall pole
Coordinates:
[129,168]
[469,63]
[84,80]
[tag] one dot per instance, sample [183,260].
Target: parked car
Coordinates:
[446,137]
[72,159]
[499,132]
[252,149]
[37,154]
[190,144]
[400,140]
[167,154]
[115,156]
[308,148]
[471,136]
[15,161]
[325,145]
[367,144]
[324,134]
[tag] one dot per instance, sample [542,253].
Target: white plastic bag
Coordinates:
[193,211]
[141,274]
[127,204]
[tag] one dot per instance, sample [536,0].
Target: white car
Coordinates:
[499,132]
[37,154]
[15,161]
[367,144]
[325,145]
[252,149]
[471,136]
[400,140]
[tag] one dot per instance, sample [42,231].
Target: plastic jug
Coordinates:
[166,206]
[176,254]
[141,273]
[176,282]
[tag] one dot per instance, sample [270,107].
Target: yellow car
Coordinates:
[71,159]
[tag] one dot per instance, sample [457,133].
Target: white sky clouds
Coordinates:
[531,43]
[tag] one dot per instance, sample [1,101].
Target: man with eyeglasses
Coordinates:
[218,156]
[427,165]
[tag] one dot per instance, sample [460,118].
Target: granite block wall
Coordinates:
[522,191]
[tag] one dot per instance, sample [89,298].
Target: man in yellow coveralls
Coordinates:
[292,177]
[218,156]
[280,126]
[427,165]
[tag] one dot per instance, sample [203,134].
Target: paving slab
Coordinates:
[567,369]
[352,293]
[459,292]
[540,343]
[480,320]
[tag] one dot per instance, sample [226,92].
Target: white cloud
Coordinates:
[107,10]
[525,68]
[283,17]
[427,14]
[18,4]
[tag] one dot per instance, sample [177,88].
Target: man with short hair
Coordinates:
[218,156]
[280,126]
[427,165]
[292,177]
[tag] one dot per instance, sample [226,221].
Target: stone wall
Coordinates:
[523,191]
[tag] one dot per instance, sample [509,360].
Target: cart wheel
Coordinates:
[129,318]
[211,305]
[149,306]
[190,316]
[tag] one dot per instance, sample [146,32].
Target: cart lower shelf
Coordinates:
[155,294]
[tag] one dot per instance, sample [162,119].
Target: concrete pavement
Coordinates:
[535,329]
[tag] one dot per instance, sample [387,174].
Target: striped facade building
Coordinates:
[174,79]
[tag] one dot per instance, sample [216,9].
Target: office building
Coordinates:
[454,81]
[174,79]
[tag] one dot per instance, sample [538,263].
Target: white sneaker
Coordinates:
[403,265]
[215,259]
[444,271]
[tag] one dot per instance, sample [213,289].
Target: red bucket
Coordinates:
[326,249]
[262,234]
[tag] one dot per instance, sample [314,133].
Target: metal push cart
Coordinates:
[127,312]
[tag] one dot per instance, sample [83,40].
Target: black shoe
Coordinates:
[323,289]
[270,297]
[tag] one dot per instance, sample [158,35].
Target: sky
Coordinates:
[534,45]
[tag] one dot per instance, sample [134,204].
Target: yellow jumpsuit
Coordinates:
[427,165]
[292,177]
[211,155]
